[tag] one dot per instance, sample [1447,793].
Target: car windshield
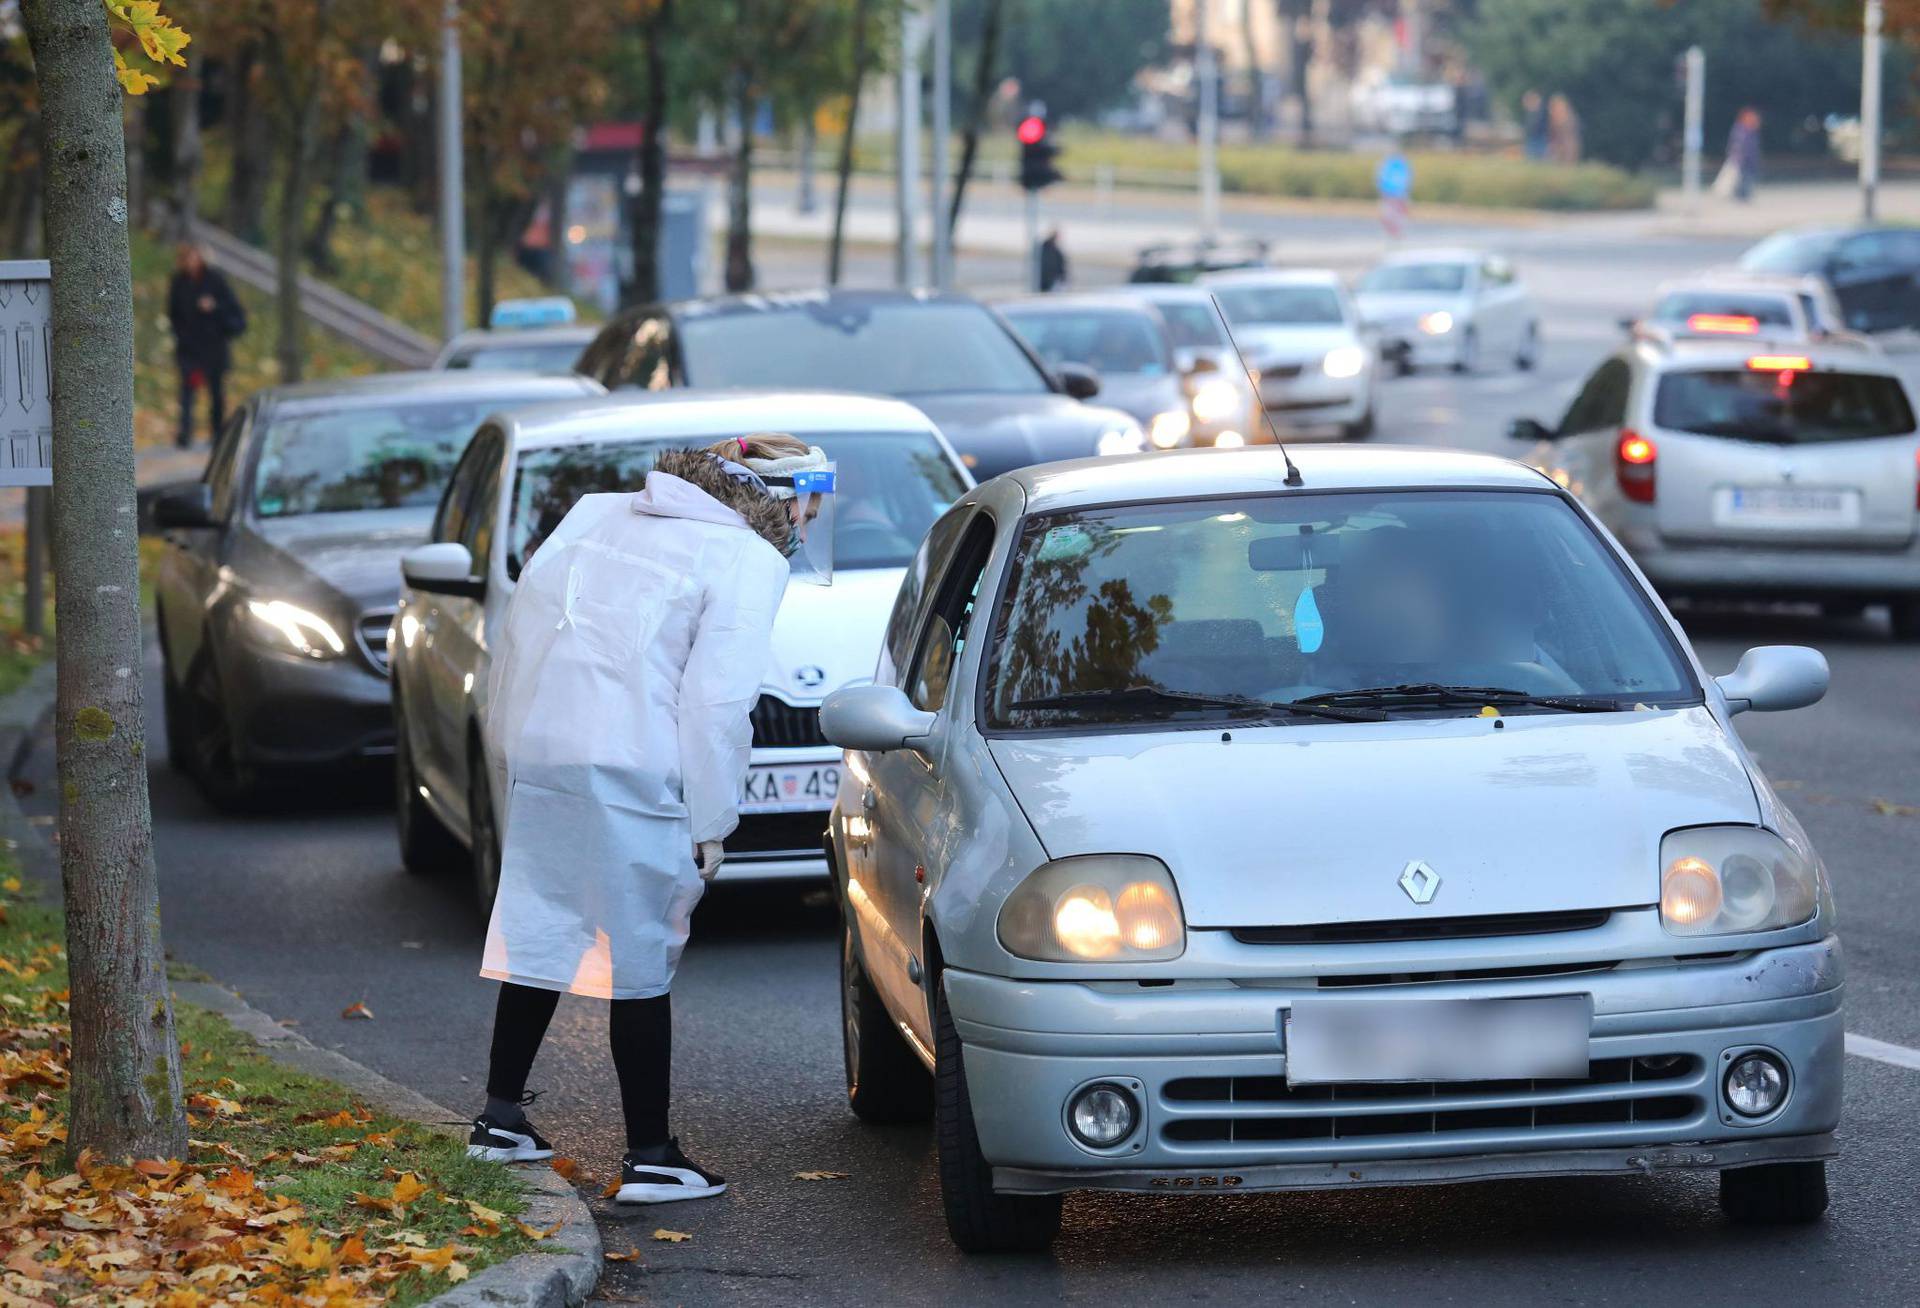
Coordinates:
[367,456]
[1783,408]
[1280,306]
[1790,252]
[519,356]
[1193,326]
[1290,597]
[890,347]
[892,485]
[1443,278]
[1765,310]
[1106,340]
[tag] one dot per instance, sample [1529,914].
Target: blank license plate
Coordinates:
[801,788]
[1786,506]
[1436,1039]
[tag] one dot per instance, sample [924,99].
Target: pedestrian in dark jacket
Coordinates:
[1743,153]
[1053,262]
[205,316]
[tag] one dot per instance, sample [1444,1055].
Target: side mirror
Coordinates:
[1194,362]
[873,718]
[442,568]
[185,507]
[1530,429]
[1772,678]
[1078,380]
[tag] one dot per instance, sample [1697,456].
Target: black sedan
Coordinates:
[1874,271]
[946,354]
[274,599]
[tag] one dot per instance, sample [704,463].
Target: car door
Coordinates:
[1903,284]
[1589,431]
[432,689]
[1500,303]
[460,643]
[189,572]
[1861,272]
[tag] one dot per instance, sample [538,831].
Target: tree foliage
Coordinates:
[1079,58]
[155,33]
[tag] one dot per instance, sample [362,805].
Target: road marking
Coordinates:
[1882,1052]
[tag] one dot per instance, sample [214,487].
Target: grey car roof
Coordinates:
[1653,351]
[696,414]
[1187,474]
[1078,300]
[431,385]
[570,333]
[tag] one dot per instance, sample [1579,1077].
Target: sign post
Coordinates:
[26,413]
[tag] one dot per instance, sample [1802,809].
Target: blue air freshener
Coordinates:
[1308,629]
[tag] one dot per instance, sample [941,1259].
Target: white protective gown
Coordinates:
[629,659]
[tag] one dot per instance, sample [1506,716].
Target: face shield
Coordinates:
[808,495]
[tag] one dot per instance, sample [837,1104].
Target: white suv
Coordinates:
[518,478]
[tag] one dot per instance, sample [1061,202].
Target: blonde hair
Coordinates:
[759,445]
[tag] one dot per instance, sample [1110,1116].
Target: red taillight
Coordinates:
[1737,324]
[1633,460]
[1779,363]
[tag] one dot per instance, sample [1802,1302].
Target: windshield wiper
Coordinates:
[1424,693]
[1149,697]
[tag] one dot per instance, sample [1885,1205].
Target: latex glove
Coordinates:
[708,855]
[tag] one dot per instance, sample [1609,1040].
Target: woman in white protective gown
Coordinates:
[629,659]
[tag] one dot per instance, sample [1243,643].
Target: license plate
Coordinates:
[798,788]
[1436,1039]
[1786,506]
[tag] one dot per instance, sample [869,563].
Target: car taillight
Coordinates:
[1633,460]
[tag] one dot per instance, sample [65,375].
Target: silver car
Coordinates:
[1203,832]
[1751,466]
[1457,308]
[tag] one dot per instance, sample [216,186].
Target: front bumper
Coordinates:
[1761,570]
[295,713]
[1207,1065]
[1314,399]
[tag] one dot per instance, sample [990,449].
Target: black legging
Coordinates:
[641,1031]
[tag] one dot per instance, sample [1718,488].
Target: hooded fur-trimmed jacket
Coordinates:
[767,516]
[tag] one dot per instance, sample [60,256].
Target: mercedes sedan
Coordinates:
[1209,829]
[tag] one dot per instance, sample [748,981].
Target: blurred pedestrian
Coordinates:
[1394,180]
[1053,262]
[206,317]
[1533,124]
[1563,130]
[1743,153]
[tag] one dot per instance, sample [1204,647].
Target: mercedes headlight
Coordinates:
[1437,323]
[1169,428]
[1345,361]
[1719,881]
[1097,908]
[1121,440]
[1217,400]
[288,628]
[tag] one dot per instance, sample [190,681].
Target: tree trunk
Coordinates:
[843,172]
[740,192]
[485,207]
[559,252]
[124,1072]
[645,218]
[1256,76]
[977,107]
[296,148]
[251,132]
[319,247]
[186,146]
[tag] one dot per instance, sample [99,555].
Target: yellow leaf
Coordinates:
[671,1237]
[408,1188]
[820,1176]
[11,885]
[485,1213]
[630,1256]
[535,1233]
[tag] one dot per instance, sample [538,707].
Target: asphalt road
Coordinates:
[306,911]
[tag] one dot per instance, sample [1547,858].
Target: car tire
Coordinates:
[886,1081]
[1774,1194]
[427,848]
[1469,356]
[978,1219]
[1906,619]
[483,830]
[1529,354]
[213,759]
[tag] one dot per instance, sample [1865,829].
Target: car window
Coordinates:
[1790,252]
[928,562]
[225,462]
[1193,326]
[947,628]
[1903,248]
[1497,272]
[890,347]
[1394,278]
[482,506]
[1283,597]
[1107,340]
[1602,402]
[450,519]
[1784,408]
[1866,250]
[1280,306]
[367,456]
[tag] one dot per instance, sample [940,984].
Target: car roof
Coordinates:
[438,384]
[1167,291]
[787,301]
[570,331]
[1187,474]
[1079,301]
[1655,349]
[1452,254]
[696,415]
[1272,277]
[1742,281]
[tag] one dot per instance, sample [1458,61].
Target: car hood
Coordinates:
[1141,396]
[1264,346]
[1301,825]
[827,636]
[1404,306]
[351,559]
[998,433]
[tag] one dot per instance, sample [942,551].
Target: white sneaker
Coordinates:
[673,1177]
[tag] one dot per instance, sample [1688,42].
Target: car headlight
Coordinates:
[1718,881]
[1096,908]
[1169,428]
[1216,400]
[285,627]
[1121,440]
[1437,323]
[1345,361]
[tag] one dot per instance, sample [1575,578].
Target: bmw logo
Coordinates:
[809,677]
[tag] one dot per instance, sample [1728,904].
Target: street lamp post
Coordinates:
[453,236]
[907,149]
[1207,73]
[1870,109]
[942,254]
[1693,137]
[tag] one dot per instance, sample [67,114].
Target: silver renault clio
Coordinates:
[1219,824]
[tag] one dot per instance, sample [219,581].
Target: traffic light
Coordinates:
[1036,154]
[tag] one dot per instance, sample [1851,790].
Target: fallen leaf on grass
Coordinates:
[358,1010]
[820,1176]
[630,1256]
[671,1237]
[11,885]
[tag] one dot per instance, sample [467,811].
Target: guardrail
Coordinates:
[393,343]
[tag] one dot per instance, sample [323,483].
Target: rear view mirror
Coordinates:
[1293,553]
[1773,678]
[1529,429]
[873,718]
[1078,380]
[442,568]
[185,507]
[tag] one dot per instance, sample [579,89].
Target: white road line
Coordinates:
[1882,1052]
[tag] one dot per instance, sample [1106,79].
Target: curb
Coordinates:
[541,1279]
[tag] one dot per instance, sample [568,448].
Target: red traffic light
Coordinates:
[1032,130]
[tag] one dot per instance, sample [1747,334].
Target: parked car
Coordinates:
[275,592]
[944,353]
[1749,466]
[1401,107]
[1456,308]
[522,473]
[1736,303]
[1226,412]
[1299,331]
[1124,341]
[1394,835]
[1874,271]
[526,349]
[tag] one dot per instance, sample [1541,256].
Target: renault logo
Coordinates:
[1419,881]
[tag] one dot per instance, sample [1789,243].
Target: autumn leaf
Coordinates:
[408,1188]
[11,885]
[613,1188]
[820,1176]
[357,1011]
[535,1234]
[630,1256]
[565,1166]
[671,1237]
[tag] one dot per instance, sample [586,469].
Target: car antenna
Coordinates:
[1293,477]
